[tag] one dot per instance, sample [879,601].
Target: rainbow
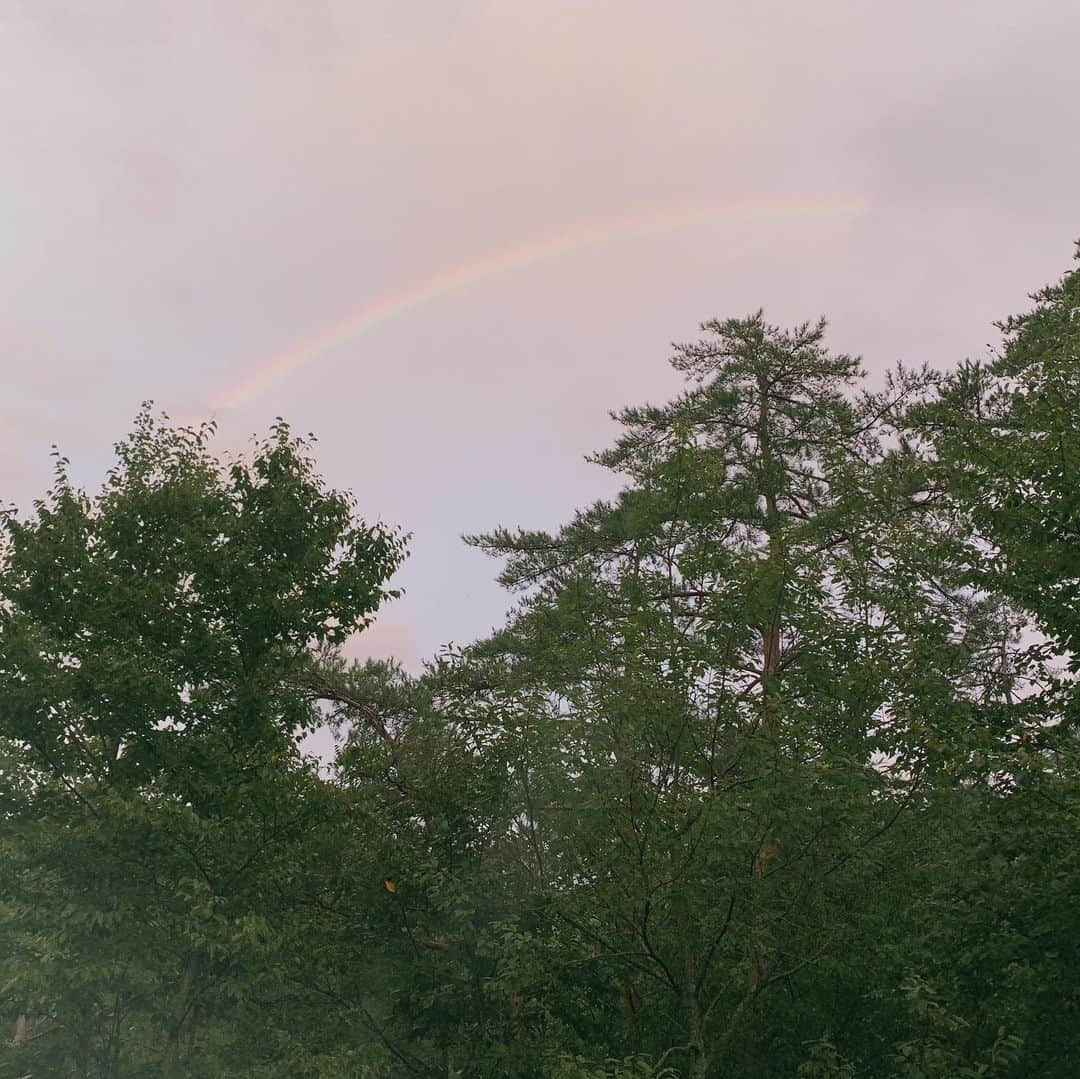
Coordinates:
[456,278]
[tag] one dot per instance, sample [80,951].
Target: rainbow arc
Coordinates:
[459,277]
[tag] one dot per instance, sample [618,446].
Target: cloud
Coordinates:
[188,189]
[989,131]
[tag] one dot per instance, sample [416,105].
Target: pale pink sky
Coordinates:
[187,190]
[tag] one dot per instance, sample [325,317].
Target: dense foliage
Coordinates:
[772,771]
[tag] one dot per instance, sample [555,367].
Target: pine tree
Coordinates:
[746,657]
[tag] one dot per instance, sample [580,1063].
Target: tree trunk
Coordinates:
[172,1063]
[692,1010]
[770,667]
[82,1044]
[773,525]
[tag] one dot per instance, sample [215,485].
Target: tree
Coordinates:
[1004,435]
[754,660]
[772,770]
[154,643]
[1001,439]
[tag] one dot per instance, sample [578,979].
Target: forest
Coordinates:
[772,770]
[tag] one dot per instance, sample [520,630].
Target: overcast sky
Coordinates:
[188,190]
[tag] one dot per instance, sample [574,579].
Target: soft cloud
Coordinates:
[190,189]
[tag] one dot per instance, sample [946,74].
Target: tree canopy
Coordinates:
[772,770]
